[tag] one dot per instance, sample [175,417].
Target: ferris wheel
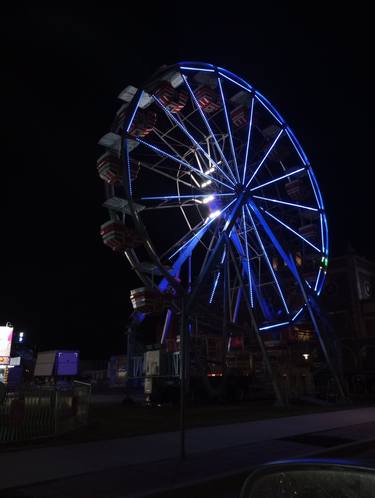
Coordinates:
[210,194]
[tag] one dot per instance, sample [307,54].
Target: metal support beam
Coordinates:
[307,296]
[276,387]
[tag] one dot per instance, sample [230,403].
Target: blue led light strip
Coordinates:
[298,313]
[262,100]
[166,325]
[200,110]
[248,141]
[183,128]
[135,110]
[248,89]
[187,68]
[202,229]
[247,258]
[291,173]
[309,208]
[228,127]
[317,280]
[281,324]
[198,196]
[290,229]
[128,168]
[296,145]
[265,157]
[268,261]
[216,281]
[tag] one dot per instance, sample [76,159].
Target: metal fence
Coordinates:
[40,411]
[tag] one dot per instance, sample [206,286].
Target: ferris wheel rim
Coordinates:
[241,83]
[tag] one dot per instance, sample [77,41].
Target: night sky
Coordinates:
[61,71]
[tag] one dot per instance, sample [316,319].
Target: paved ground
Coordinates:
[138,465]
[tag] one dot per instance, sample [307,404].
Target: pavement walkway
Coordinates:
[141,461]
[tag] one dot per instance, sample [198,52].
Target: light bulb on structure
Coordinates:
[214,214]
[207,199]
[204,184]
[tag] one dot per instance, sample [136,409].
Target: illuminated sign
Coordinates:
[4,360]
[6,334]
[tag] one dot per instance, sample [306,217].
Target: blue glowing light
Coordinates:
[192,197]
[207,124]
[267,327]
[203,229]
[287,175]
[183,128]
[317,280]
[135,110]
[248,140]
[197,69]
[229,128]
[248,88]
[267,105]
[237,306]
[309,208]
[297,314]
[319,289]
[265,157]
[297,145]
[267,259]
[128,168]
[290,229]
[216,281]
[247,259]
[166,325]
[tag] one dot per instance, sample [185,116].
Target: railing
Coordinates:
[40,411]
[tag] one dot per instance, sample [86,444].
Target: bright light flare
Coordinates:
[214,214]
[208,199]
[204,184]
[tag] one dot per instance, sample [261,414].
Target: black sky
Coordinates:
[61,71]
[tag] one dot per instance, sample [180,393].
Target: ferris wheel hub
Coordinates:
[239,188]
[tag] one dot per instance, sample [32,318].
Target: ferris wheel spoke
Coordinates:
[216,279]
[183,239]
[181,161]
[238,245]
[205,120]
[209,197]
[269,264]
[198,235]
[182,127]
[265,157]
[248,141]
[185,252]
[290,229]
[244,227]
[277,201]
[209,248]
[229,128]
[287,175]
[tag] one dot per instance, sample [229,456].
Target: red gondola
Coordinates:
[149,300]
[109,168]
[119,237]
[143,123]
[173,99]
[240,116]
[208,99]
